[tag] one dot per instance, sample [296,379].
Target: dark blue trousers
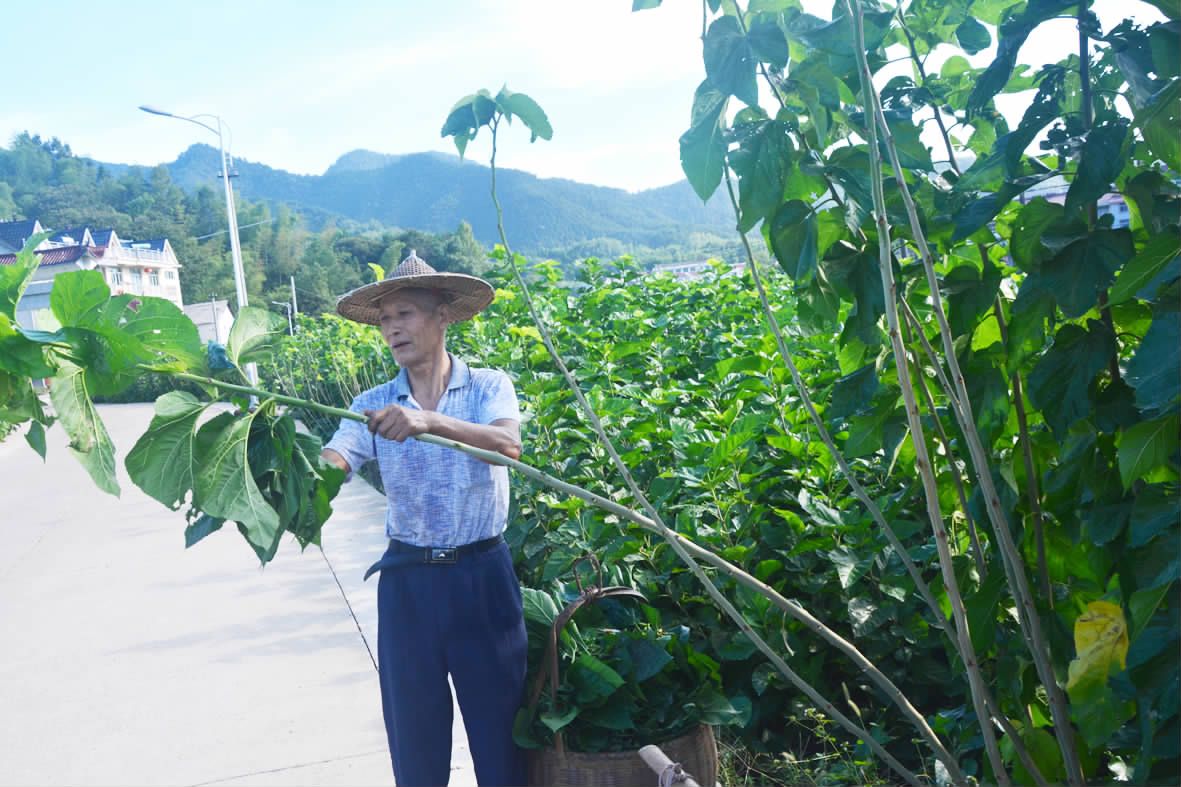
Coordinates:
[462,619]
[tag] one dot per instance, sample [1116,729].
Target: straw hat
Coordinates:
[466,295]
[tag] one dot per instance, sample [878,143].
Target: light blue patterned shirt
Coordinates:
[437,496]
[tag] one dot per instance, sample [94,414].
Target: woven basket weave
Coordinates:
[697,752]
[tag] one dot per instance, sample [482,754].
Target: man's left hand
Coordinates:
[395,422]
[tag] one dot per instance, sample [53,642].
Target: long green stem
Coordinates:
[953,466]
[862,495]
[1031,488]
[667,533]
[1010,556]
[922,460]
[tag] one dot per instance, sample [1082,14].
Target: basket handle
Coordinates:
[549,667]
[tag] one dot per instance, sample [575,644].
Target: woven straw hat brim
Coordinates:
[468,296]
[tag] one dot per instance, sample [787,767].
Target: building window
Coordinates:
[137,278]
[154,279]
[170,275]
[116,276]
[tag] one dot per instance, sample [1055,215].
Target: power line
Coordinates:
[223,232]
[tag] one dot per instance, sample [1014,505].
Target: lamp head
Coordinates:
[154,111]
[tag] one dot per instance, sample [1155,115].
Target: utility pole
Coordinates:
[213,316]
[287,308]
[294,305]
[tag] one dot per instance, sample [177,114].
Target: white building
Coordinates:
[694,270]
[129,267]
[213,320]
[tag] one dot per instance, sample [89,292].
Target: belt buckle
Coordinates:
[441,555]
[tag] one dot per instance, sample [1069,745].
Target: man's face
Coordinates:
[413,323]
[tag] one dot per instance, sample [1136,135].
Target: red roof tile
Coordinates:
[58,256]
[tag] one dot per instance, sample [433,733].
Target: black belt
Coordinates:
[402,554]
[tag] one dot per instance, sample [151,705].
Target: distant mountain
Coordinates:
[436,191]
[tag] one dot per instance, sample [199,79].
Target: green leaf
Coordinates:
[592,678]
[79,298]
[981,609]
[769,43]
[225,486]
[912,153]
[468,115]
[1101,161]
[1078,273]
[1147,446]
[162,327]
[1155,369]
[1097,711]
[866,616]
[539,606]
[1152,258]
[989,394]
[1012,35]
[762,162]
[89,441]
[1170,8]
[793,239]
[981,211]
[648,658]
[378,271]
[850,567]
[729,61]
[16,277]
[1156,507]
[164,461]
[642,5]
[713,707]
[613,716]
[556,722]
[763,675]
[836,37]
[204,525]
[1060,382]
[36,438]
[254,335]
[529,111]
[973,36]
[1158,122]
[853,392]
[1033,220]
[19,355]
[703,147]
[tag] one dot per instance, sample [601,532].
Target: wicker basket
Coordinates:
[697,752]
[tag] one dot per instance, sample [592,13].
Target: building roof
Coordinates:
[155,244]
[102,237]
[77,235]
[16,233]
[58,256]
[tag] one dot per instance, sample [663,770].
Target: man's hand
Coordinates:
[395,422]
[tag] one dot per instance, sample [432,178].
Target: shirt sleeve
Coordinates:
[352,439]
[499,400]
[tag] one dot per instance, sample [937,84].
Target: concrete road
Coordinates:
[129,660]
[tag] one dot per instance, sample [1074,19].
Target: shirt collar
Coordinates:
[460,376]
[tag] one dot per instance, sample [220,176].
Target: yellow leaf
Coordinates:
[1100,634]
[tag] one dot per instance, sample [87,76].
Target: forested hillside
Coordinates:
[43,180]
[435,191]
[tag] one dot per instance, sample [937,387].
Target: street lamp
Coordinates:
[287,308]
[235,244]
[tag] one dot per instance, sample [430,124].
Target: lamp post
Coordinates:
[235,244]
[287,308]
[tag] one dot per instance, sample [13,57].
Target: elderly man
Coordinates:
[448,601]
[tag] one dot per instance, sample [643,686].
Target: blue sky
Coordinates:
[300,83]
